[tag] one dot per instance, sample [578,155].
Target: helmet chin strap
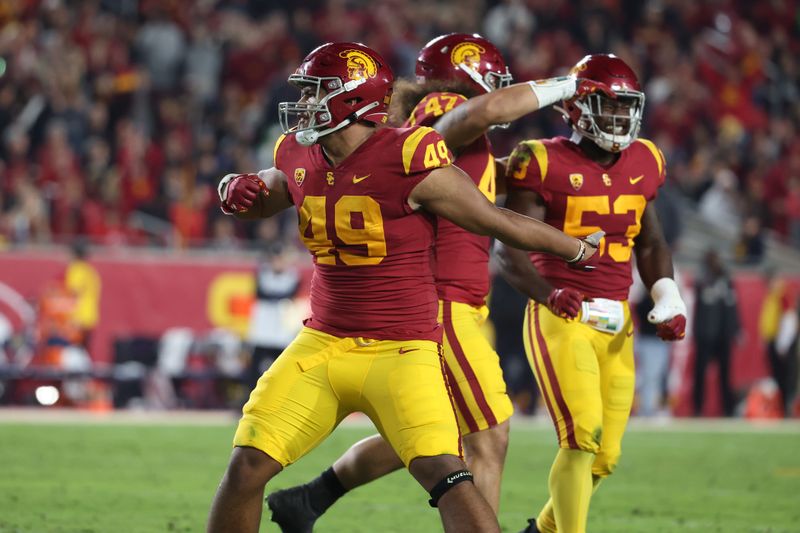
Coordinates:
[475,76]
[309,137]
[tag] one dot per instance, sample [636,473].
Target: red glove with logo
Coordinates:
[238,192]
[585,86]
[565,302]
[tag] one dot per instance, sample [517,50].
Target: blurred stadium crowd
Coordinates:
[120,116]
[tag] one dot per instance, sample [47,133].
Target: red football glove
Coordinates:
[565,302]
[238,192]
[585,86]
[673,329]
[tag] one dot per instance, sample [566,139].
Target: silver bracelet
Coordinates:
[580,255]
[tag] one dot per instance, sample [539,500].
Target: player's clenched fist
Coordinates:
[238,192]
[565,302]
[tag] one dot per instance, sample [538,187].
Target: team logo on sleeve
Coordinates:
[467,53]
[360,65]
[576,180]
[299,176]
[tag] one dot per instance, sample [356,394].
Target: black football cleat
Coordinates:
[531,527]
[292,510]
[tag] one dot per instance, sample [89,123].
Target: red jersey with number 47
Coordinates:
[461,258]
[372,267]
[581,197]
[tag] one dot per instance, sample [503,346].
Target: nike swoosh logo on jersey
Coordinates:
[636,180]
[356,179]
[406,350]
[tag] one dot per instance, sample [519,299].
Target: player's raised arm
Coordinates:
[250,196]
[449,193]
[474,117]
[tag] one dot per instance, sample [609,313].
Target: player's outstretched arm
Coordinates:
[654,261]
[250,196]
[449,193]
[473,118]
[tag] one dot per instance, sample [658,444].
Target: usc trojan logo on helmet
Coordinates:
[360,65]
[467,53]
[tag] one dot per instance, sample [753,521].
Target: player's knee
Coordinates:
[250,469]
[428,471]
[606,462]
[488,446]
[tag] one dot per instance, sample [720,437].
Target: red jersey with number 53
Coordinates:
[581,197]
[461,258]
[372,267]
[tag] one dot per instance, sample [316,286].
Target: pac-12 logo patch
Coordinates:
[468,53]
[576,180]
[299,176]
[360,65]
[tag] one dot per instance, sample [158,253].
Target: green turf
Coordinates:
[117,478]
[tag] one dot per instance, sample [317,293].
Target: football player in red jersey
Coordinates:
[365,197]
[578,329]
[450,70]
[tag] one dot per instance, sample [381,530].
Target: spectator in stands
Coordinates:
[722,80]
[716,328]
[750,248]
[793,210]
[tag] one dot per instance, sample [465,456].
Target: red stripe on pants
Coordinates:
[551,375]
[474,384]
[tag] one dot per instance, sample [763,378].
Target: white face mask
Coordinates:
[619,129]
[314,113]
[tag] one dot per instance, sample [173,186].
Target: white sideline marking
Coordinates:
[229,418]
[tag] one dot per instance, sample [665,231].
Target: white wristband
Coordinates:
[553,90]
[581,253]
[667,300]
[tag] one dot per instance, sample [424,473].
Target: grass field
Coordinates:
[74,476]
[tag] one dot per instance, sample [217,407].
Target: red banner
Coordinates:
[146,294]
[142,295]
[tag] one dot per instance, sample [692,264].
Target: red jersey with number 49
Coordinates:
[581,197]
[372,268]
[461,258]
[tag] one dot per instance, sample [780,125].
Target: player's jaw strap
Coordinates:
[447,483]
